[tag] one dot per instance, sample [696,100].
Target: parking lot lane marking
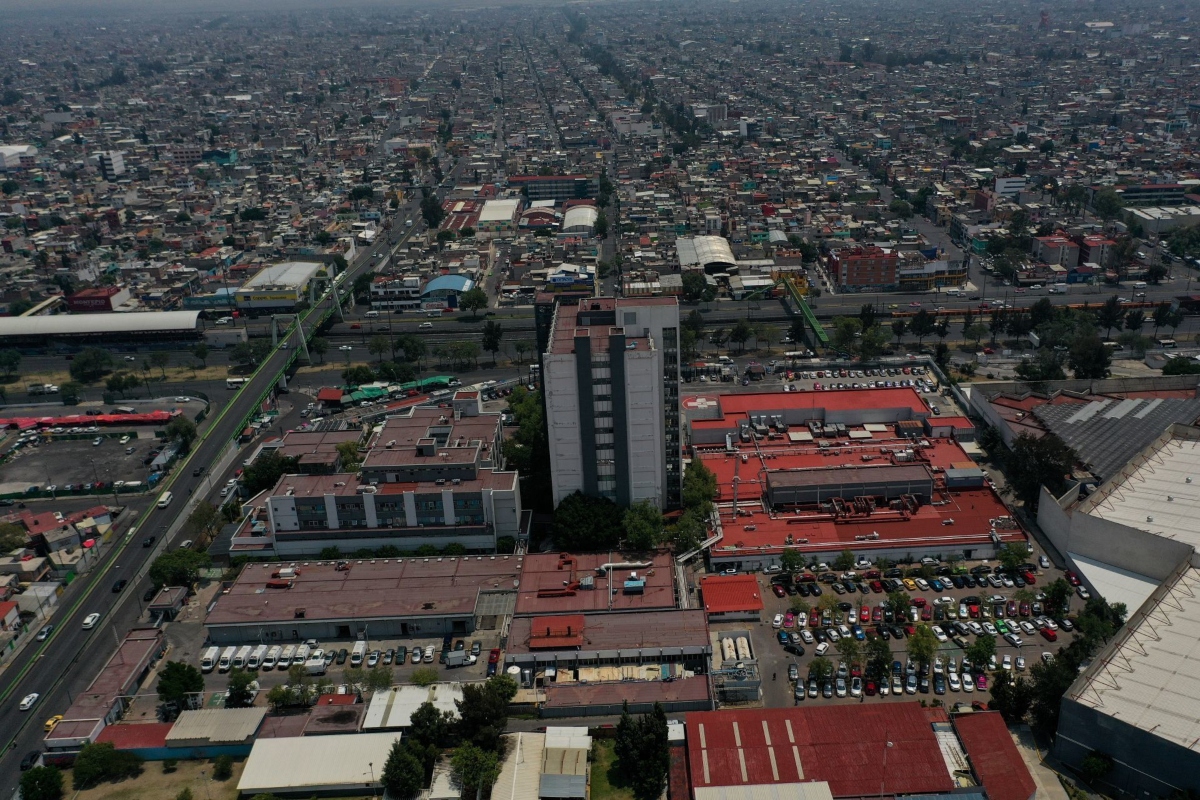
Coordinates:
[703,744]
[704,758]
[767,734]
[799,769]
[742,761]
[774,766]
[791,736]
[737,735]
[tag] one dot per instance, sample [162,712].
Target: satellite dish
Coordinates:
[516,582]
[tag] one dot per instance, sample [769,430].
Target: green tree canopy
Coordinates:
[1040,461]
[91,364]
[473,300]
[42,783]
[177,681]
[584,523]
[643,526]
[403,775]
[178,567]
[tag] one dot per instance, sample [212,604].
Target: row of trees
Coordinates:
[643,754]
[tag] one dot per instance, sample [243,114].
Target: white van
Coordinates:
[256,658]
[164,499]
[372,315]
[208,661]
[1139,284]
[226,660]
[241,656]
[285,658]
[271,660]
[301,656]
[358,654]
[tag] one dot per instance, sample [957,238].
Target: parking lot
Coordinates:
[792,375]
[775,661]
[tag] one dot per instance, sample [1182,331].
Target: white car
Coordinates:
[778,621]
[807,636]
[183,399]
[822,649]
[345,348]
[939,633]
[90,621]
[968,683]
[955,683]
[1020,663]
[1006,664]
[28,701]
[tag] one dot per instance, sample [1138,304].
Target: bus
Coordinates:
[1167,344]
[235,383]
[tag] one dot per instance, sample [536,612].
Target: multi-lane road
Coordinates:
[63,665]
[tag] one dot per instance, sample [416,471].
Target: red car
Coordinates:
[864,615]
[926,613]
[1072,578]
[778,590]
[1024,608]
[877,587]
[919,602]
[494,656]
[1049,635]
[814,618]
[1030,578]
[354,326]
[877,614]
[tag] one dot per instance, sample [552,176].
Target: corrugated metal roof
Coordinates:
[520,774]
[316,763]
[216,725]
[133,322]
[561,736]
[562,786]
[813,790]
[724,593]
[564,761]
[994,757]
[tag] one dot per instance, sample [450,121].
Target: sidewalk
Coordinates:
[1048,785]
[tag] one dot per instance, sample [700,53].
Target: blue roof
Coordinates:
[448,283]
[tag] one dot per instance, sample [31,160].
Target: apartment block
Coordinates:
[611,383]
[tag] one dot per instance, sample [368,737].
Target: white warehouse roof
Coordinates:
[700,251]
[499,210]
[131,322]
[580,217]
[287,275]
[316,764]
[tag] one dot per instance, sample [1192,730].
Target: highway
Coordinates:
[62,666]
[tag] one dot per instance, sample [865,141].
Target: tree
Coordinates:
[222,768]
[846,331]
[791,561]
[899,328]
[586,523]
[90,365]
[10,361]
[378,345]
[981,650]
[601,226]
[900,208]
[473,300]
[42,783]
[241,693]
[922,325]
[1107,204]
[922,644]
[1095,766]
[1037,461]
[318,347]
[695,286]
[430,727]
[483,711]
[358,375]
[203,520]
[1110,314]
[1046,365]
[403,774]
[643,526]
[266,471]
[1011,697]
[1181,365]
[492,333]
[871,343]
[12,537]
[849,649]
[97,763]
[413,347]
[179,681]
[424,676]
[844,560]
[899,602]
[349,456]
[380,677]
[643,753]
[178,567]
[866,315]
[475,768]
[878,656]
[820,669]
[1012,556]
[741,333]
[160,359]
[182,430]
[200,352]
[699,488]
[1058,596]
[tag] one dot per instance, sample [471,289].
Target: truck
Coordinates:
[302,652]
[226,660]
[358,654]
[256,657]
[315,663]
[459,658]
[242,656]
[285,658]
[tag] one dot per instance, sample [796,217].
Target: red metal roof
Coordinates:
[994,757]
[328,395]
[860,750]
[136,736]
[724,593]
[556,631]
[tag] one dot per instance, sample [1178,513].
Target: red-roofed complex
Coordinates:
[570,583]
[859,750]
[546,633]
[994,758]
[821,472]
[727,597]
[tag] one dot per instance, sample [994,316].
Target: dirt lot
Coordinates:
[153,782]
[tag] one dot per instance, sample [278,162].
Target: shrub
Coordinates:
[223,768]
[170,764]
